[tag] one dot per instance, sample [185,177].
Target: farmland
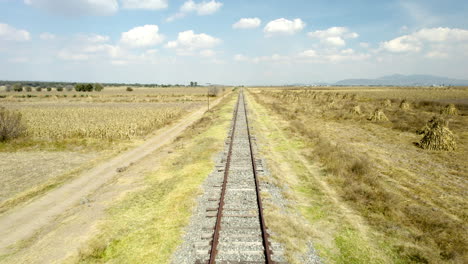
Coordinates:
[67,132]
[364,179]
[369,191]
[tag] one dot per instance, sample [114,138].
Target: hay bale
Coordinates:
[450,109]
[378,116]
[356,110]
[387,103]
[437,136]
[405,105]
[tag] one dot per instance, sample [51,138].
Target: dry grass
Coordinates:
[110,123]
[147,225]
[450,109]
[437,136]
[413,197]
[378,116]
[333,232]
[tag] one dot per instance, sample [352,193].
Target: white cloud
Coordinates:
[284,26]
[437,40]
[334,36]
[144,36]
[10,33]
[188,41]
[246,23]
[47,36]
[334,41]
[202,9]
[76,7]
[402,44]
[364,45]
[240,57]
[145,4]
[207,53]
[65,54]
[436,55]
[95,38]
[308,54]
[347,51]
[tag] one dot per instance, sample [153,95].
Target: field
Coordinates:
[68,132]
[370,193]
[370,174]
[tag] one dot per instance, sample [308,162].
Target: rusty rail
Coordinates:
[215,240]
[266,243]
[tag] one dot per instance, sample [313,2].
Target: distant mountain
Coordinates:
[405,80]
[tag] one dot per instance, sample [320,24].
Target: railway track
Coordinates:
[234,230]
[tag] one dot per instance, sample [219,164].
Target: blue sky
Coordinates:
[231,42]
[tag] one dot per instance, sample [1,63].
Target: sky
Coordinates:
[236,42]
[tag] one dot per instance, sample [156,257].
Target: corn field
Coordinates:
[106,123]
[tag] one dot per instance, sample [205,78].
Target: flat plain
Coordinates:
[371,174]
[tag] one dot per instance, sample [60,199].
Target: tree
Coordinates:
[191,84]
[49,89]
[129,89]
[79,87]
[98,87]
[195,84]
[28,89]
[38,89]
[89,87]
[17,87]
[60,89]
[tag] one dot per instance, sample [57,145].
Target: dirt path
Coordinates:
[25,222]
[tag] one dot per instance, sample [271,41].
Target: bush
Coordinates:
[129,89]
[49,89]
[60,89]
[17,87]
[28,89]
[11,125]
[81,87]
[213,91]
[98,87]
[8,88]
[38,89]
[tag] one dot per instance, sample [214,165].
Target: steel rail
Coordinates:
[266,243]
[215,241]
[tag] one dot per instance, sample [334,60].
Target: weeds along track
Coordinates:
[233,229]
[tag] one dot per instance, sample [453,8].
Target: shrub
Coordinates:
[98,87]
[49,89]
[38,89]
[11,125]
[8,88]
[60,89]
[28,89]
[17,87]
[81,87]
[213,91]
[129,89]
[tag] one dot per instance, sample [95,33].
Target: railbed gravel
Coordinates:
[240,236]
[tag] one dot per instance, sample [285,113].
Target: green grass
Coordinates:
[146,227]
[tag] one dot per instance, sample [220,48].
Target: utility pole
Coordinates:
[208,95]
